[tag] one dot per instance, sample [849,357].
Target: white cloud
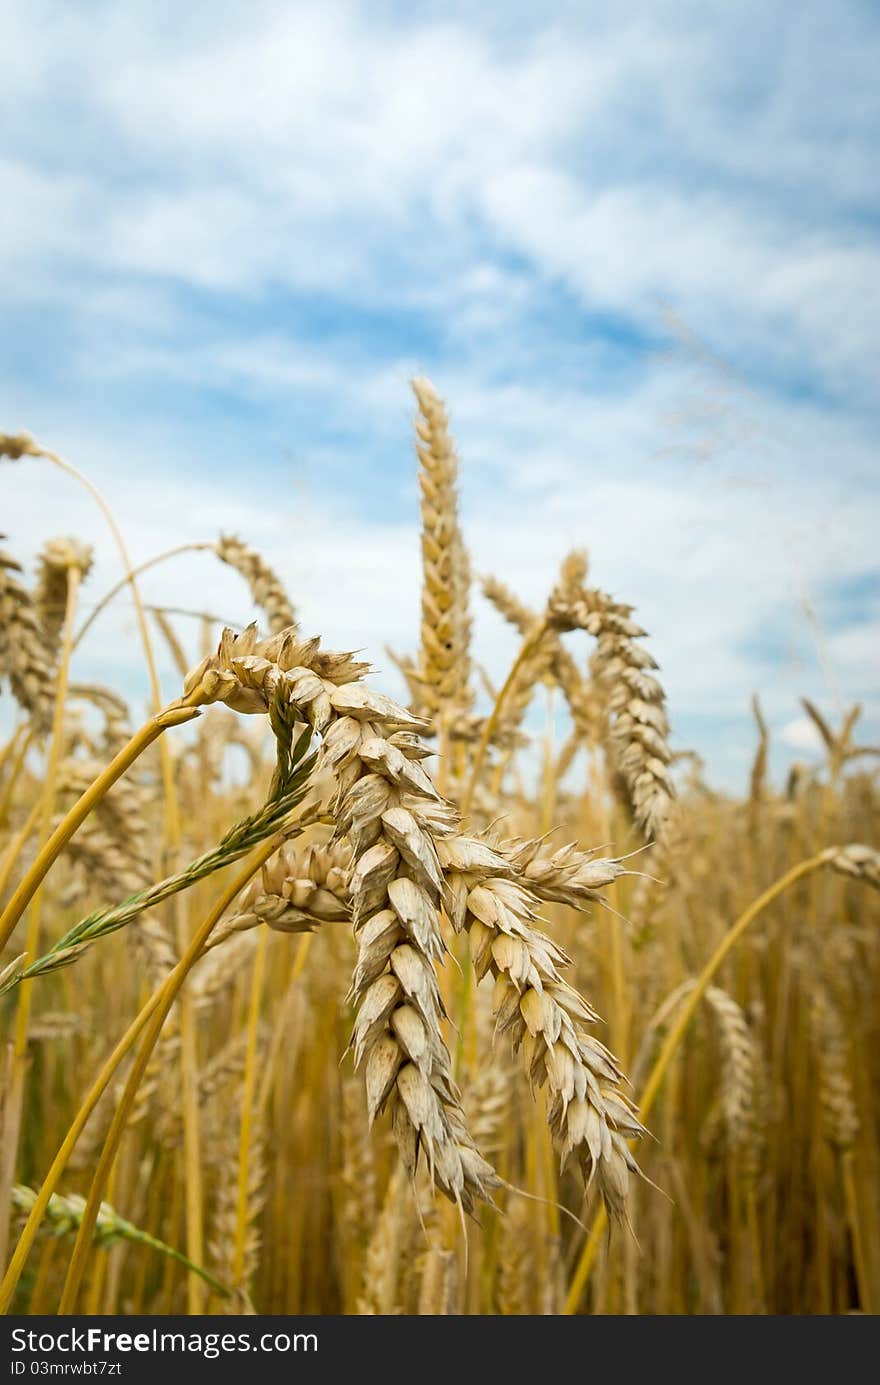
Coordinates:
[246,227]
[801,735]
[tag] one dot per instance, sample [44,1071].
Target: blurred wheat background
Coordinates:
[729,945]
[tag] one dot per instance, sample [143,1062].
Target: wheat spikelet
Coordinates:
[444,662]
[23,658]
[857,861]
[738,1081]
[565,876]
[544,1017]
[533,670]
[638,727]
[294,893]
[111,850]
[56,559]
[487,1101]
[264,584]
[840,1115]
[119,828]
[102,862]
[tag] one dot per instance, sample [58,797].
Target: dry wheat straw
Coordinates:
[23,657]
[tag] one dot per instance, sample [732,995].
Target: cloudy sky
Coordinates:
[636,247]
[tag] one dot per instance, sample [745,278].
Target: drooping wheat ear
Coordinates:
[295,892]
[56,559]
[590,1117]
[119,827]
[444,662]
[23,658]
[265,585]
[857,861]
[117,723]
[738,1077]
[638,728]
[391,814]
[840,1115]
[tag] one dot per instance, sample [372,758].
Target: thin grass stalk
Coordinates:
[128,580]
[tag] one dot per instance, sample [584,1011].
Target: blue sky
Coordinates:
[635,247]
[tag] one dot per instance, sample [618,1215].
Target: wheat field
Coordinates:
[313,1002]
